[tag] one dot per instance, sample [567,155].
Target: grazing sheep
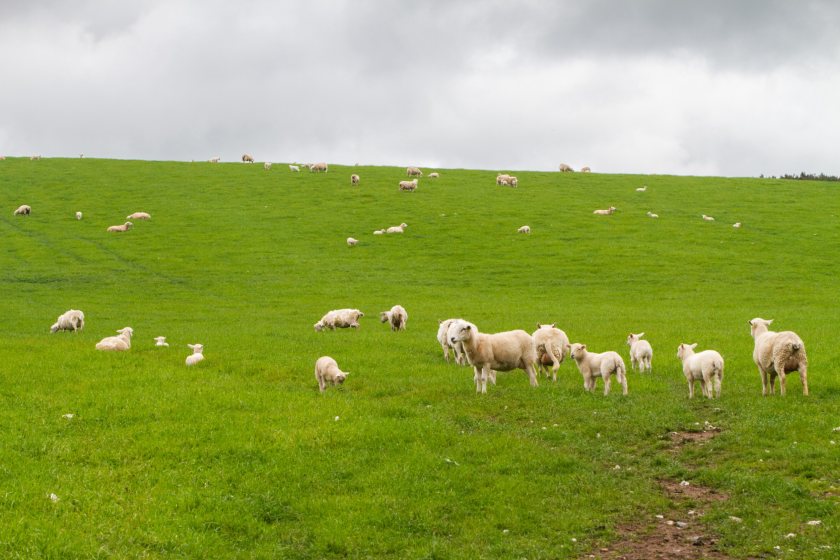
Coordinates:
[736,225]
[565,168]
[327,371]
[507,181]
[294,168]
[446,330]
[397,229]
[641,189]
[606,212]
[408,185]
[352,241]
[397,317]
[2,158]
[778,353]
[23,210]
[161,341]
[524,229]
[216,159]
[379,232]
[119,343]
[198,353]
[318,167]
[489,353]
[641,352]
[552,348]
[125,227]
[593,365]
[502,179]
[434,175]
[35,158]
[708,218]
[247,158]
[585,170]
[139,216]
[339,319]
[78,215]
[71,320]
[705,366]
[652,215]
[354,179]
[413,172]
[267,165]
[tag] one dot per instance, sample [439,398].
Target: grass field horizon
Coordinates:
[241,457]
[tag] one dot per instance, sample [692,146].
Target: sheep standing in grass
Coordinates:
[294,168]
[354,179]
[197,355]
[502,178]
[339,319]
[352,241]
[778,353]
[652,215]
[23,210]
[124,227]
[607,212]
[71,320]
[328,372]
[641,352]
[565,168]
[524,229]
[318,167]
[413,172]
[78,215]
[708,218]
[408,185]
[247,158]
[593,365]
[267,165]
[502,351]
[161,341]
[444,337]
[139,216]
[736,225]
[119,343]
[216,159]
[378,232]
[397,317]
[585,170]
[552,348]
[705,366]
[434,175]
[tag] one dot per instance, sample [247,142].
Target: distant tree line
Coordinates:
[807,177]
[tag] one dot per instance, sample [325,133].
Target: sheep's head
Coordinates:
[759,325]
[319,326]
[384,316]
[54,328]
[340,377]
[684,350]
[196,348]
[463,331]
[129,225]
[403,225]
[577,351]
[632,338]
[128,331]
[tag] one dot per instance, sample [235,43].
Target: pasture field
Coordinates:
[241,457]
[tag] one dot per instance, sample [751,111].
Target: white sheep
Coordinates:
[585,170]
[397,229]
[413,172]
[778,353]
[379,232]
[434,175]
[408,185]
[71,320]
[247,158]
[23,210]
[507,181]
[339,319]
[78,215]
[161,341]
[397,317]
[444,337]
[124,227]
[354,179]
[736,225]
[641,189]
[139,216]
[552,348]
[565,168]
[593,365]
[328,372]
[35,157]
[267,165]
[318,167]
[119,343]
[197,355]
[489,353]
[294,168]
[352,241]
[641,352]
[216,159]
[502,178]
[652,215]
[524,229]
[708,218]
[606,212]
[705,366]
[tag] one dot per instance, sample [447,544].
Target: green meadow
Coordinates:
[242,457]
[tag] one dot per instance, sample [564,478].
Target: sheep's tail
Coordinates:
[620,372]
[795,347]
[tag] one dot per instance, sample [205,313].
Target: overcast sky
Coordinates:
[714,87]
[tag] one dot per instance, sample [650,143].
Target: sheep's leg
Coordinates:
[606,385]
[780,370]
[764,382]
[772,375]
[803,375]
[707,384]
[485,373]
[690,387]
[445,352]
[477,379]
[492,376]
[532,374]
[718,381]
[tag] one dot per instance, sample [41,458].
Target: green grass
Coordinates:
[241,457]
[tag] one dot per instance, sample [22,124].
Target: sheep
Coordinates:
[352,242]
[339,318]
[354,179]
[652,215]
[23,210]
[124,227]
[408,185]
[197,355]
[397,229]
[35,157]
[378,232]
[641,189]
[397,317]
[434,175]
[446,330]
[524,229]
[413,172]
[161,341]
[705,366]
[565,168]
[267,165]
[78,215]
[641,352]
[502,178]
[778,353]
[327,371]
[119,343]
[708,218]
[593,365]
[247,158]
[2,158]
[71,320]
[502,351]
[318,167]
[294,168]
[606,212]
[139,216]
[552,348]
[585,169]
[736,225]
[507,181]
[216,159]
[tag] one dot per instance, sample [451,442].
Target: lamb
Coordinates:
[354,179]
[778,353]
[397,317]
[352,242]
[397,229]
[197,355]
[736,225]
[502,178]
[247,158]
[327,371]
[339,318]
[23,210]
[593,365]
[413,172]
[507,181]
[139,216]
[378,232]
[444,336]
[318,167]
[585,170]
[267,165]
[216,159]
[125,227]
[708,218]
[524,229]
[652,215]
[606,212]
[71,320]
[489,353]
[552,348]
[641,189]
[408,185]
[119,343]
[434,175]
[161,341]
[705,366]
[641,352]
[35,157]
[565,168]
[78,215]
[294,168]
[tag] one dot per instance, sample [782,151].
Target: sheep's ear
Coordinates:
[539,326]
[468,327]
[769,321]
[693,346]
[346,373]
[583,346]
[641,334]
[750,322]
[553,325]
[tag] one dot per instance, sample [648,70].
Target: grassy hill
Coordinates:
[241,457]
